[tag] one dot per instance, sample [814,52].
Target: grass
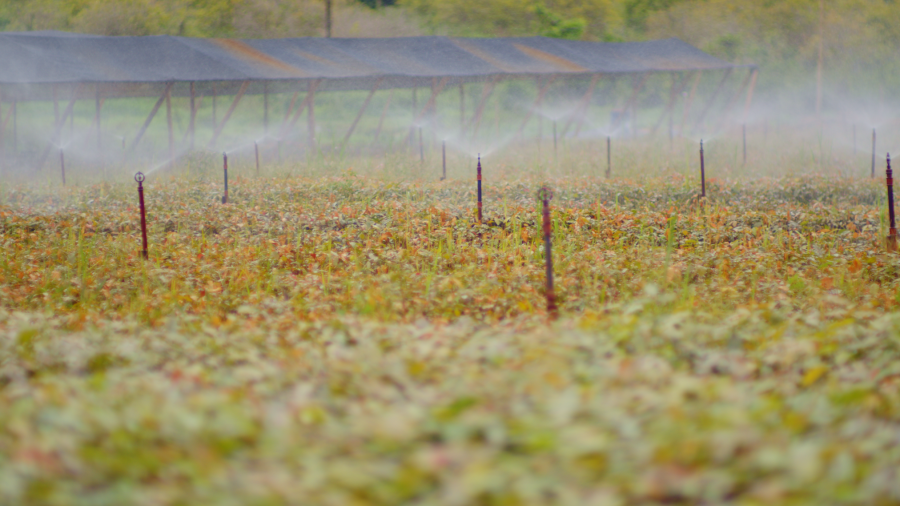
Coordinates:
[344,332]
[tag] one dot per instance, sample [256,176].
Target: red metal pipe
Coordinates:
[139,177]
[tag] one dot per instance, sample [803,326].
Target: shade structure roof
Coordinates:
[34,60]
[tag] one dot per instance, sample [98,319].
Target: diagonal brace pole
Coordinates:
[362,110]
[234,103]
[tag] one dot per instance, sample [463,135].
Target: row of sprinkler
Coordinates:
[545,195]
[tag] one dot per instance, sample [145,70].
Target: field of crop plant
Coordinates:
[344,332]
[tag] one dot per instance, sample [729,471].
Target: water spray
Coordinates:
[892,232]
[608,156]
[702,172]
[62,166]
[545,195]
[873,153]
[443,160]
[479,188]
[139,177]
[256,150]
[225,169]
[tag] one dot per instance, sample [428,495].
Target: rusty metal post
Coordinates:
[608,156]
[62,166]
[479,189]
[545,195]
[139,177]
[892,233]
[256,150]
[443,160]
[873,153]
[225,169]
[702,172]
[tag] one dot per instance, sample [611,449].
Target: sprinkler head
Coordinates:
[545,193]
[139,177]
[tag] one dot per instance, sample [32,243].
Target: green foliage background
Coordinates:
[861,37]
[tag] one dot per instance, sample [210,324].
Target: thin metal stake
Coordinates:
[256,149]
[892,233]
[225,168]
[421,147]
[479,188]
[545,195]
[139,177]
[444,160]
[702,172]
[608,157]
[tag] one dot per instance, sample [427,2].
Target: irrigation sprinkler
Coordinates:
[139,177]
[479,188]
[608,156]
[545,195]
[225,169]
[256,150]
[62,166]
[873,153]
[744,137]
[702,172]
[443,160]
[892,232]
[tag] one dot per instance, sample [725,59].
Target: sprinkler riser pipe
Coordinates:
[256,149]
[479,189]
[702,172]
[545,195]
[608,156]
[892,232]
[139,177]
[225,170]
